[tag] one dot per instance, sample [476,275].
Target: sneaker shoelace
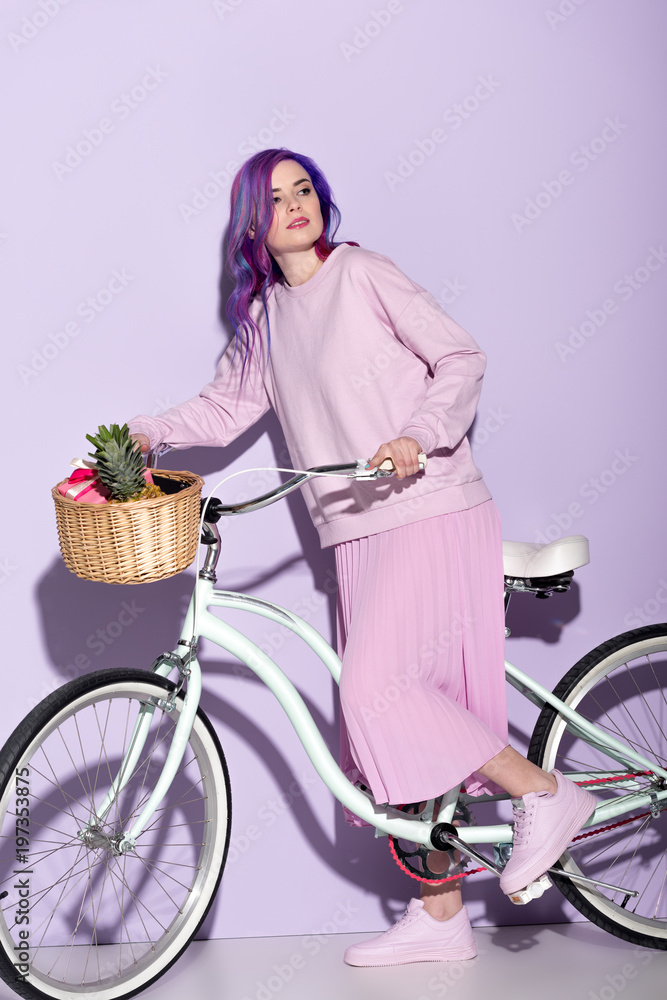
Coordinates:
[408,917]
[523,820]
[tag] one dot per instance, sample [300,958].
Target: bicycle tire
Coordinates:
[102,925]
[620,685]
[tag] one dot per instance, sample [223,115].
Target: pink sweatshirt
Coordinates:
[360,354]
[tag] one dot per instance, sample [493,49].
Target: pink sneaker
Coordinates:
[417,937]
[544,824]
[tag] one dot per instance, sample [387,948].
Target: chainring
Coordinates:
[407,860]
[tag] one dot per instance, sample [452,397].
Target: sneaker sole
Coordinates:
[414,956]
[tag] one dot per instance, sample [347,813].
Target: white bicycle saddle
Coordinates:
[531,559]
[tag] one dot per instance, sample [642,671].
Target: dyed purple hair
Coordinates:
[248,261]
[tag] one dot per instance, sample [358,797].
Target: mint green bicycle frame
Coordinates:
[200,622]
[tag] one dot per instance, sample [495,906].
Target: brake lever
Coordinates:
[385,468]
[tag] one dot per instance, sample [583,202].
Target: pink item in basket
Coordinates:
[85,486]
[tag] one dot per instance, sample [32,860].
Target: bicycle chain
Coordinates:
[581,836]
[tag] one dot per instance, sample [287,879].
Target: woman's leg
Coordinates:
[444,900]
[549,809]
[440,931]
[516,774]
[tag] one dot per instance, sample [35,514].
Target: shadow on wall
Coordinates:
[536,618]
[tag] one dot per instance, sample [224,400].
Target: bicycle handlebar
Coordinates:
[352,470]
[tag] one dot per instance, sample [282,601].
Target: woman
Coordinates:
[357,359]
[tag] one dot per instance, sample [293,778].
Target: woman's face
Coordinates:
[297,220]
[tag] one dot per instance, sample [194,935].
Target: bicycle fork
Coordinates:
[190,674]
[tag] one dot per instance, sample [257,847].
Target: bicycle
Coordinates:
[115,800]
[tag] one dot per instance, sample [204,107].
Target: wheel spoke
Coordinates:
[643,698]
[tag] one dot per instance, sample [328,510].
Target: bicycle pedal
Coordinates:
[532,891]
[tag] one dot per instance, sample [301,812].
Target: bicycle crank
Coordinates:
[444,837]
[414,862]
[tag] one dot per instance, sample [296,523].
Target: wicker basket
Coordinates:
[135,542]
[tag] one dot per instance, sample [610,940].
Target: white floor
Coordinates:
[551,962]
[533,962]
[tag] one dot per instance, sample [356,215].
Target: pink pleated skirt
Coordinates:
[421,635]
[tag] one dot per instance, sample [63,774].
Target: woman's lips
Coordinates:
[299,223]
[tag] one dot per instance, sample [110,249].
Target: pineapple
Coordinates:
[120,465]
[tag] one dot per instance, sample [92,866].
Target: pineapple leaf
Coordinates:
[120,465]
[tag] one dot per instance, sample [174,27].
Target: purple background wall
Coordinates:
[510,157]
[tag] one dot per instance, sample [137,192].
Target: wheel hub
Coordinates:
[95,838]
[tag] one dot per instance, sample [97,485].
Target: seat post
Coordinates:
[508,594]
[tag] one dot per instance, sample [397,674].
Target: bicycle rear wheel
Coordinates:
[621,686]
[79,919]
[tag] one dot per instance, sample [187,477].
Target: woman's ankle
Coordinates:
[441,907]
[517,775]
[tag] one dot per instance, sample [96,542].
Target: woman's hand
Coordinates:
[143,441]
[403,452]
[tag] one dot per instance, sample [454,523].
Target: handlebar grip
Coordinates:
[388,465]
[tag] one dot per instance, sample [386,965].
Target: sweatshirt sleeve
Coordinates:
[224,408]
[456,365]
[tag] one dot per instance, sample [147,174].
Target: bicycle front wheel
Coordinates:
[621,687]
[79,919]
